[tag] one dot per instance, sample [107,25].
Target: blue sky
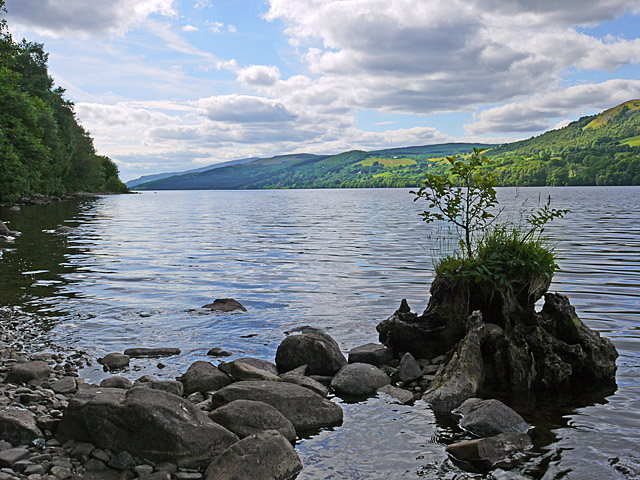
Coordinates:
[170,85]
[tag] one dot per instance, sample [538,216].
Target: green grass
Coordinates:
[605,116]
[632,142]
[388,162]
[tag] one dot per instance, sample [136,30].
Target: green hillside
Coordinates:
[43,149]
[398,167]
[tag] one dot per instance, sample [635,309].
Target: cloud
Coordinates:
[63,17]
[244,109]
[215,27]
[259,75]
[533,114]
[190,28]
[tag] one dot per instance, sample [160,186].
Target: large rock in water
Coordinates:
[147,423]
[311,347]
[359,380]
[203,377]
[248,417]
[487,418]
[18,426]
[264,456]
[305,409]
[28,371]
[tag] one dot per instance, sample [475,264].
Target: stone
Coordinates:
[65,385]
[264,456]
[239,370]
[3,229]
[359,380]
[155,476]
[152,352]
[484,454]
[64,229]
[260,364]
[12,455]
[18,426]
[203,377]
[225,305]
[60,473]
[311,347]
[408,369]
[113,361]
[145,422]
[219,352]
[400,394]
[487,418]
[294,376]
[372,353]
[122,461]
[171,386]
[116,382]
[305,409]
[248,417]
[28,371]
[94,465]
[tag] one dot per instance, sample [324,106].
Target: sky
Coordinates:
[171,85]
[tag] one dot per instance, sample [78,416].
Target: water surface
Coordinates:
[138,267]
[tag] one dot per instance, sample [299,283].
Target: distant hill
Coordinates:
[394,167]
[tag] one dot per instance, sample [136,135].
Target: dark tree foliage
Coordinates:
[43,149]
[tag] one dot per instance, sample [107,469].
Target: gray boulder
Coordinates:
[483,454]
[248,417]
[203,377]
[359,380]
[224,305]
[113,361]
[487,418]
[65,385]
[18,426]
[152,352]
[305,409]
[239,370]
[298,377]
[313,348]
[219,352]
[400,394]
[170,386]
[372,353]
[145,422]
[264,456]
[260,364]
[116,382]
[409,369]
[28,371]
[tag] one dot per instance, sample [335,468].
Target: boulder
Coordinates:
[487,418]
[18,426]
[305,409]
[400,394]
[113,361]
[264,456]
[152,352]
[170,386]
[116,382]
[260,364]
[28,371]
[147,423]
[65,385]
[372,353]
[248,417]
[313,348]
[484,454]
[3,229]
[64,229]
[298,377]
[239,370]
[359,380]
[408,369]
[224,305]
[203,377]
[219,352]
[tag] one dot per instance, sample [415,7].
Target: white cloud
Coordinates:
[244,109]
[232,28]
[259,75]
[215,27]
[533,114]
[190,28]
[80,17]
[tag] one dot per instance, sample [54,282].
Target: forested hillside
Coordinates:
[43,149]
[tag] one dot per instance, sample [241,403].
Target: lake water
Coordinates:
[138,267]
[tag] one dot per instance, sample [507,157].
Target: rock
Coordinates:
[463,375]
[145,422]
[152,352]
[65,385]
[116,382]
[64,229]
[219,352]
[239,370]
[113,361]
[248,417]
[295,376]
[122,461]
[3,229]
[372,353]
[408,369]
[305,409]
[260,364]
[487,418]
[18,426]
[264,456]
[359,380]
[484,454]
[9,457]
[224,305]
[313,348]
[203,377]
[25,372]
[400,394]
